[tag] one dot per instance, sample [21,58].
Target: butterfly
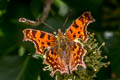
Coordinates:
[64,54]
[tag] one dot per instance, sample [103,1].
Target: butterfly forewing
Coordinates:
[78,29]
[40,39]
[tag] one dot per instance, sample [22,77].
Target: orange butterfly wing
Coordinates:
[76,56]
[40,39]
[79,28]
[54,60]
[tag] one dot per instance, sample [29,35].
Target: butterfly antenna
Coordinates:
[67,17]
[65,21]
[49,26]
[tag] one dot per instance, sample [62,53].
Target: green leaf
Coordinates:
[21,51]
[63,8]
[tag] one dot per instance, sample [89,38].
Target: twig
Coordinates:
[46,10]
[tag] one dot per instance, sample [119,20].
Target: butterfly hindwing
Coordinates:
[54,60]
[78,29]
[40,39]
[76,56]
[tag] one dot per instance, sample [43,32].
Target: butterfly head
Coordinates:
[61,40]
[60,35]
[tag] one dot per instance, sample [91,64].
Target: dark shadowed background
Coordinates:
[16,61]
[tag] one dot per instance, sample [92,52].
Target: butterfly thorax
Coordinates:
[62,45]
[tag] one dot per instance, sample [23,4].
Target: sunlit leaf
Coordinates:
[63,8]
[21,51]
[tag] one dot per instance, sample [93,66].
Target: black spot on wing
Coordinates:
[78,52]
[75,25]
[43,47]
[78,32]
[71,30]
[88,16]
[34,33]
[38,40]
[48,37]
[80,28]
[42,35]
[52,52]
[75,46]
[42,42]
[48,43]
[27,31]
[81,18]
[80,36]
[74,36]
